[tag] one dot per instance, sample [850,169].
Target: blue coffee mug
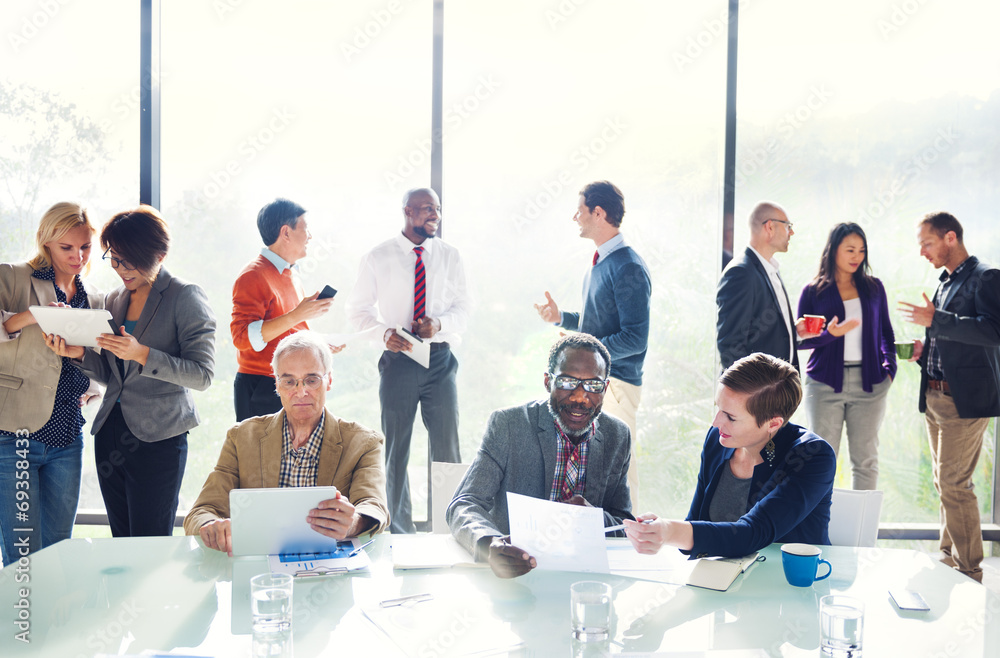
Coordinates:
[801,564]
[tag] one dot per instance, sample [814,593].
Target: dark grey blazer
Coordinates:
[749,315]
[967,330]
[178,327]
[518,454]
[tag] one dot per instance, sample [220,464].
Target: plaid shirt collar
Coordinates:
[570,476]
[299,466]
[935,366]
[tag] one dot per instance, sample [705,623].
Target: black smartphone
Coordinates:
[327,292]
[115,330]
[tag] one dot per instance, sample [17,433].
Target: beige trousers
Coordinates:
[955,446]
[622,401]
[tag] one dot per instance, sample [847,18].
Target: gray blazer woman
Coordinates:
[178,326]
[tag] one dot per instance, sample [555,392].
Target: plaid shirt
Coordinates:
[298,467]
[935,368]
[571,466]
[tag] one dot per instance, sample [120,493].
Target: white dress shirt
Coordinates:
[383,294]
[771,267]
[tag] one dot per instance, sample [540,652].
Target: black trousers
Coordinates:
[140,481]
[404,384]
[254,395]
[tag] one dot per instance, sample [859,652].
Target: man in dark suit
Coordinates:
[564,450]
[959,380]
[754,312]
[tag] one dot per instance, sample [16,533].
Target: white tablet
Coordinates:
[77,326]
[273,521]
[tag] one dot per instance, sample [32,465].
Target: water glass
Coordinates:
[841,626]
[590,610]
[271,602]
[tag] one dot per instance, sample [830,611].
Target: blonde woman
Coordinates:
[41,393]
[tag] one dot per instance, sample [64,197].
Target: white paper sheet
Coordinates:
[338,339]
[559,536]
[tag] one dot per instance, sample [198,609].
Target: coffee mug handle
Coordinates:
[829,569]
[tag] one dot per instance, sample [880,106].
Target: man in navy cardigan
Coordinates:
[616,294]
[959,380]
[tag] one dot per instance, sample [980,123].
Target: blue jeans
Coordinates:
[52,494]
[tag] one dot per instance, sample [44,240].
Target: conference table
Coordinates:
[170,595]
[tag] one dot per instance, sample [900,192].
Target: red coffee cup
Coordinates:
[814,323]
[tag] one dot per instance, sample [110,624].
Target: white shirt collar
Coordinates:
[609,246]
[770,264]
[279,263]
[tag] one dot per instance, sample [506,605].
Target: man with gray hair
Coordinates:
[416,282]
[754,312]
[302,445]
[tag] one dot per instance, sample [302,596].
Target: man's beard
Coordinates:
[562,426]
[422,232]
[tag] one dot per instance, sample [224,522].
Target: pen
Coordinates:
[415,598]
[360,548]
[621,526]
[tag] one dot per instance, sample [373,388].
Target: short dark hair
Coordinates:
[606,195]
[772,384]
[941,223]
[579,341]
[139,236]
[278,213]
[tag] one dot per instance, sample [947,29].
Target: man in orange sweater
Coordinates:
[268,305]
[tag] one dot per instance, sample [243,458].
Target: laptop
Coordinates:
[273,521]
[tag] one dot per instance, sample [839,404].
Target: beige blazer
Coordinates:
[350,458]
[29,371]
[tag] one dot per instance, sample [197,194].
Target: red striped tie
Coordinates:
[596,255]
[419,288]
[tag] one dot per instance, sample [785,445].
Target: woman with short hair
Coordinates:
[165,348]
[762,479]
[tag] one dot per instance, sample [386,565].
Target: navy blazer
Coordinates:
[749,317]
[789,500]
[518,454]
[967,329]
[178,327]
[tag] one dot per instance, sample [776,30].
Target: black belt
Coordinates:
[439,346]
[939,385]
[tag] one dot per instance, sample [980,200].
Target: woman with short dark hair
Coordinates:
[762,479]
[166,346]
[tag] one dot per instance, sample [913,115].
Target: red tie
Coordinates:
[418,285]
[596,254]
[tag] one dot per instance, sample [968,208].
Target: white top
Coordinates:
[771,267]
[383,294]
[852,339]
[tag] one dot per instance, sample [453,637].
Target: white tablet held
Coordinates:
[273,521]
[78,326]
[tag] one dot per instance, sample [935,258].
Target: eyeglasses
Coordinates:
[311,382]
[781,221]
[117,263]
[567,383]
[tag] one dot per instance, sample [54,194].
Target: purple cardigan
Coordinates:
[878,343]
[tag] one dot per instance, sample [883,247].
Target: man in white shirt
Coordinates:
[754,312]
[417,281]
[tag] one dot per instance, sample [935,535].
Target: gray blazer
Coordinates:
[178,327]
[518,454]
[29,371]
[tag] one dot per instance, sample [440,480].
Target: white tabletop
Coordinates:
[171,595]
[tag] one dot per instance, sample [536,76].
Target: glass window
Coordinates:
[69,117]
[539,100]
[875,113]
[325,103]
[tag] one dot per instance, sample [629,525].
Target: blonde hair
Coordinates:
[57,221]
